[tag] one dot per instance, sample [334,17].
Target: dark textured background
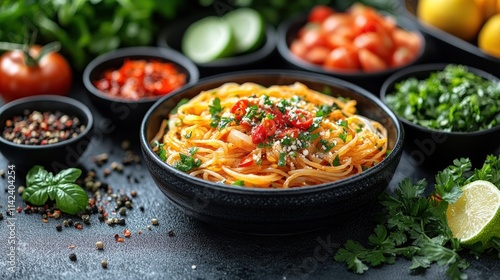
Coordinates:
[197,251]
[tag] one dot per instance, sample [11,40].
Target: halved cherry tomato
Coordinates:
[298,48]
[317,55]
[246,161]
[314,37]
[258,134]
[401,56]
[239,109]
[371,62]
[300,118]
[270,127]
[319,13]
[335,22]
[343,58]
[377,43]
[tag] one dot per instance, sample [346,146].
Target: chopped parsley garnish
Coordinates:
[268,101]
[316,122]
[182,102]
[287,140]
[162,153]
[188,162]
[336,161]
[295,99]
[239,183]
[282,105]
[282,159]
[325,145]
[215,110]
[324,110]
[342,123]
[224,121]
[343,136]
[360,128]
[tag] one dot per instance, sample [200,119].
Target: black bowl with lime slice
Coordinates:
[238,40]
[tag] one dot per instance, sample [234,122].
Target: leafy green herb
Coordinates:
[324,110]
[343,136]
[450,100]
[239,183]
[224,121]
[215,110]
[326,145]
[162,153]
[282,159]
[316,122]
[182,102]
[414,224]
[42,185]
[342,123]
[336,161]
[188,162]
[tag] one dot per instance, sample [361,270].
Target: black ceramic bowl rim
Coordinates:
[77,105]
[432,67]
[177,58]
[284,50]
[447,37]
[268,46]
[398,145]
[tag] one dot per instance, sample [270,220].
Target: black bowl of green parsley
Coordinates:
[448,111]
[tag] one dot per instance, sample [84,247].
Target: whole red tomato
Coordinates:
[50,75]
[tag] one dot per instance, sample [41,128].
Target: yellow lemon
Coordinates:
[488,8]
[489,36]
[461,18]
[475,216]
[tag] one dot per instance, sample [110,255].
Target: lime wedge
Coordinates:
[248,28]
[475,216]
[208,39]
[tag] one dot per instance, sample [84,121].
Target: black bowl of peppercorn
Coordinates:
[124,83]
[242,207]
[53,131]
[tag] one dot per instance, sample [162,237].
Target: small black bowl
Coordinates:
[288,30]
[435,148]
[171,37]
[59,155]
[273,211]
[124,112]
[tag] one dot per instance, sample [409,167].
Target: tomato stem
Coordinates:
[29,59]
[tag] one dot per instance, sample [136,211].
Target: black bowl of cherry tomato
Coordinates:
[360,45]
[49,130]
[124,83]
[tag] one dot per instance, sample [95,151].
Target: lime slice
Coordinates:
[208,39]
[248,28]
[475,216]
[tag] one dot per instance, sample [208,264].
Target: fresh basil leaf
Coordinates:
[36,195]
[67,176]
[38,176]
[71,198]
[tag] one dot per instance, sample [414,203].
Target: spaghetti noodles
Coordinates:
[276,137]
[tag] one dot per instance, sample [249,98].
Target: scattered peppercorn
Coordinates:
[121,221]
[56,215]
[122,211]
[104,264]
[28,209]
[133,193]
[58,227]
[128,204]
[99,245]
[170,232]
[20,190]
[141,208]
[65,223]
[72,257]
[2,173]
[1,216]
[70,222]
[149,227]
[154,222]
[126,233]
[86,219]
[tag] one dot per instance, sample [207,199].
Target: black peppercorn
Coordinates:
[72,257]
[70,222]
[58,227]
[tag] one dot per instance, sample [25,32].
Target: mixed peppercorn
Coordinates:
[42,128]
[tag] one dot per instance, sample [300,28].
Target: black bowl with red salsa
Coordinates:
[123,84]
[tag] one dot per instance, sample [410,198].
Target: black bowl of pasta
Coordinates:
[271,151]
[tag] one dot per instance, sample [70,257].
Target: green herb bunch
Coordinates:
[42,185]
[414,224]
[453,99]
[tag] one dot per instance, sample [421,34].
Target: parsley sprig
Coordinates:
[414,224]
